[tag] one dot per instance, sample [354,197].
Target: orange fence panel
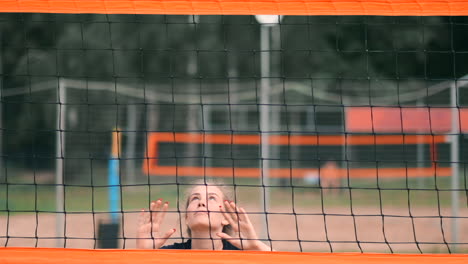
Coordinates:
[152,166]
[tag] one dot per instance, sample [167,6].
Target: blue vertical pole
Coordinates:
[114,193]
[114,179]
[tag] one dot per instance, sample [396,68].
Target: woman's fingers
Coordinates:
[231,206]
[243,215]
[228,217]
[231,209]
[247,238]
[149,222]
[239,219]
[143,222]
[168,234]
[155,207]
[237,210]
[162,214]
[160,242]
[239,214]
[158,211]
[143,217]
[248,228]
[234,241]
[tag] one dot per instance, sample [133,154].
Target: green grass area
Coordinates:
[20,197]
[34,191]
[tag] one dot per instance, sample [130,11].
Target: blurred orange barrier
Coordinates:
[152,166]
[405,119]
[78,256]
[243,7]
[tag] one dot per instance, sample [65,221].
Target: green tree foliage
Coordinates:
[160,49]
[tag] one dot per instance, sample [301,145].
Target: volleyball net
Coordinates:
[338,125]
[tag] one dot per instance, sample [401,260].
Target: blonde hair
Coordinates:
[227,195]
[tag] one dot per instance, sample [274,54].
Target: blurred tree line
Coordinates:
[164,49]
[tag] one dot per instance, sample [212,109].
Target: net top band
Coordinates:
[242,7]
[78,256]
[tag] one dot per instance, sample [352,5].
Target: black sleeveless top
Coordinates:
[188,245]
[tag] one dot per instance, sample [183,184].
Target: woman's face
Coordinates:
[203,212]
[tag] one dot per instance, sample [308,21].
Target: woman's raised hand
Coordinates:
[246,237]
[149,222]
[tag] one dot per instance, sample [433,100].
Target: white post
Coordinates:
[265,117]
[59,159]
[266,22]
[454,149]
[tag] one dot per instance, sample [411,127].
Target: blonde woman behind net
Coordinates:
[214,222]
